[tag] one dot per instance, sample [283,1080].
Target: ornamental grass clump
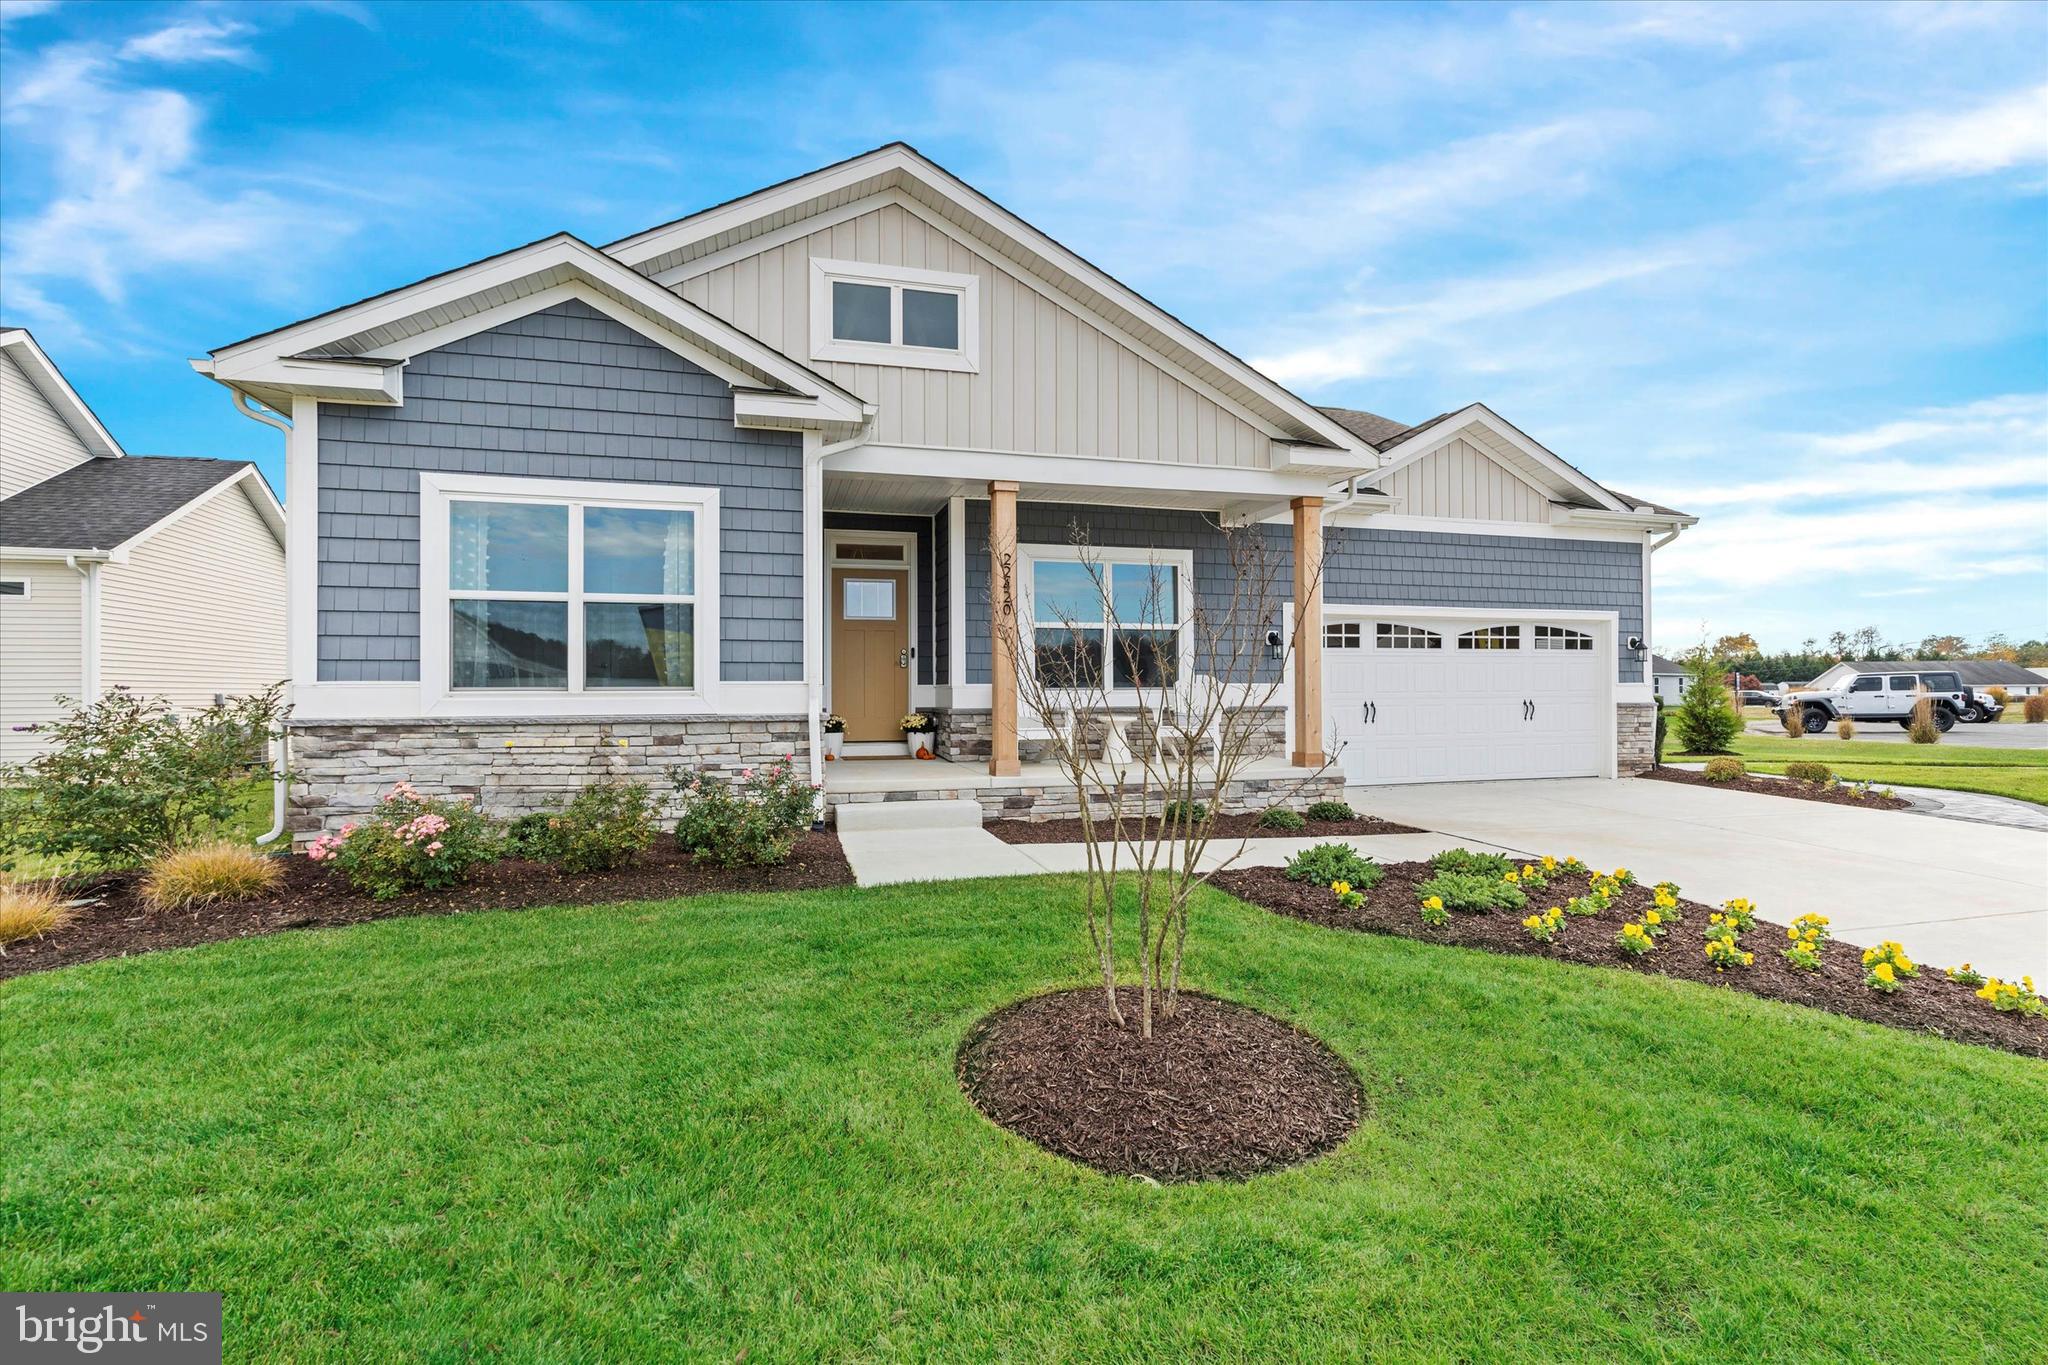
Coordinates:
[1922,729]
[1473,892]
[1885,965]
[2035,708]
[1327,863]
[1807,934]
[2008,997]
[209,874]
[29,910]
[1635,940]
[410,843]
[1543,927]
[1845,728]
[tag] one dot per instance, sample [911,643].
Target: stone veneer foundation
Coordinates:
[1016,800]
[510,767]
[964,735]
[1635,738]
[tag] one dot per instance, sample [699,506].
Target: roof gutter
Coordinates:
[277,739]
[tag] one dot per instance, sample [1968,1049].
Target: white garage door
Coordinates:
[1416,699]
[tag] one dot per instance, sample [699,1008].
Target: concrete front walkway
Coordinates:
[1949,891]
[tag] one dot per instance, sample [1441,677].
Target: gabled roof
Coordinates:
[1369,427]
[356,352]
[1974,672]
[50,382]
[899,166]
[1660,664]
[103,505]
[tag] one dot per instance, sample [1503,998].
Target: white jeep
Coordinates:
[1878,696]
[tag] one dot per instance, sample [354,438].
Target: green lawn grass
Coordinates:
[730,1125]
[1953,764]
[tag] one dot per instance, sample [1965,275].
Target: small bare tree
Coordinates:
[1152,699]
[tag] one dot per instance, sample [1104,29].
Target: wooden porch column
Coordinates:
[1308,639]
[1002,585]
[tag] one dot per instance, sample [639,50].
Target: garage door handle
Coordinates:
[1369,710]
[1528,710]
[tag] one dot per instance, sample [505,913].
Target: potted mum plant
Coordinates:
[835,737]
[917,734]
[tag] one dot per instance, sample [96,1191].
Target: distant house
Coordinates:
[1667,679]
[1982,673]
[160,574]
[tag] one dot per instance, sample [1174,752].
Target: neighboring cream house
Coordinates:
[158,574]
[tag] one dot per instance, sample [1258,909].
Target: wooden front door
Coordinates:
[871,651]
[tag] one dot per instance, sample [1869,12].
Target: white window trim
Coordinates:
[1182,562]
[824,346]
[439,698]
[27,590]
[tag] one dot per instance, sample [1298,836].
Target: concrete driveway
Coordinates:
[1950,892]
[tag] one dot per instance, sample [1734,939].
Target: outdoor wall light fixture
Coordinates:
[1273,643]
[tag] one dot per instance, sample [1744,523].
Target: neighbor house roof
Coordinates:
[1660,664]
[103,504]
[1974,672]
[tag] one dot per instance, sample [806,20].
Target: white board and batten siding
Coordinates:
[198,609]
[1050,382]
[42,643]
[1462,481]
[35,443]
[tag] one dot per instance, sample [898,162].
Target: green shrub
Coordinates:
[1279,817]
[1472,891]
[1494,865]
[752,824]
[1185,813]
[1706,721]
[1819,773]
[209,874]
[609,821]
[1328,863]
[1328,811]
[124,779]
[411,843]
[1725,769]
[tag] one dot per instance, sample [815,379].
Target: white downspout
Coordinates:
[1350,496]
[814,606]
[277,740]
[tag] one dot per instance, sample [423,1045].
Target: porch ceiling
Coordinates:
[927,495]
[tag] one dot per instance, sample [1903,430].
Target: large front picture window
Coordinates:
[571,595]
[1122,615]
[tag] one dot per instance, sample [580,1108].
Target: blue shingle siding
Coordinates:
[1362,566]
[921,572]
[565,393]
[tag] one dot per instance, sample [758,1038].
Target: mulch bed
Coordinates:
[1218,1092]
[1223,827]
[119,923]
[1838,795]
[1929,1003]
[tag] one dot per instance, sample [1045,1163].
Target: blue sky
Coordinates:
[1785,267]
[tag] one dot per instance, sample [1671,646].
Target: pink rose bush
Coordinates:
[411,843]
[753,822]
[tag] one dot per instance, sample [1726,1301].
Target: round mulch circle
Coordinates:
[1218,1092]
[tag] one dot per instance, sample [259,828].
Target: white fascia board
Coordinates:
[250,483]
[901,161]
[1620,521]
[56,390]
[255,361]
[45,554]
[1071,470]
[1439,434]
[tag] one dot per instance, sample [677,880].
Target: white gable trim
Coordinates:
[56,390]
[250,483]
[1536,466]
[267,361]
[900,161]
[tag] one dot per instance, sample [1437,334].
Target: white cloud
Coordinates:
[130,190]
[13,11]
[2007,133]
[203,38]
[1363,342]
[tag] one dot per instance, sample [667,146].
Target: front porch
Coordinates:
[1042,791]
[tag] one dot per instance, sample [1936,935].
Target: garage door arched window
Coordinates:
[1492,637]
[1391,635]
[1558,637]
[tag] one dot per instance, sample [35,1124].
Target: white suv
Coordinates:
[1878,696]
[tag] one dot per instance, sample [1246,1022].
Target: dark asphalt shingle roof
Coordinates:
[1660,664]
[101,503]
[1975,672]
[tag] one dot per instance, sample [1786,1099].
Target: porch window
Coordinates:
[570,595]
[1125,612]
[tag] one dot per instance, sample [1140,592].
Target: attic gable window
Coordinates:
[894,315]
